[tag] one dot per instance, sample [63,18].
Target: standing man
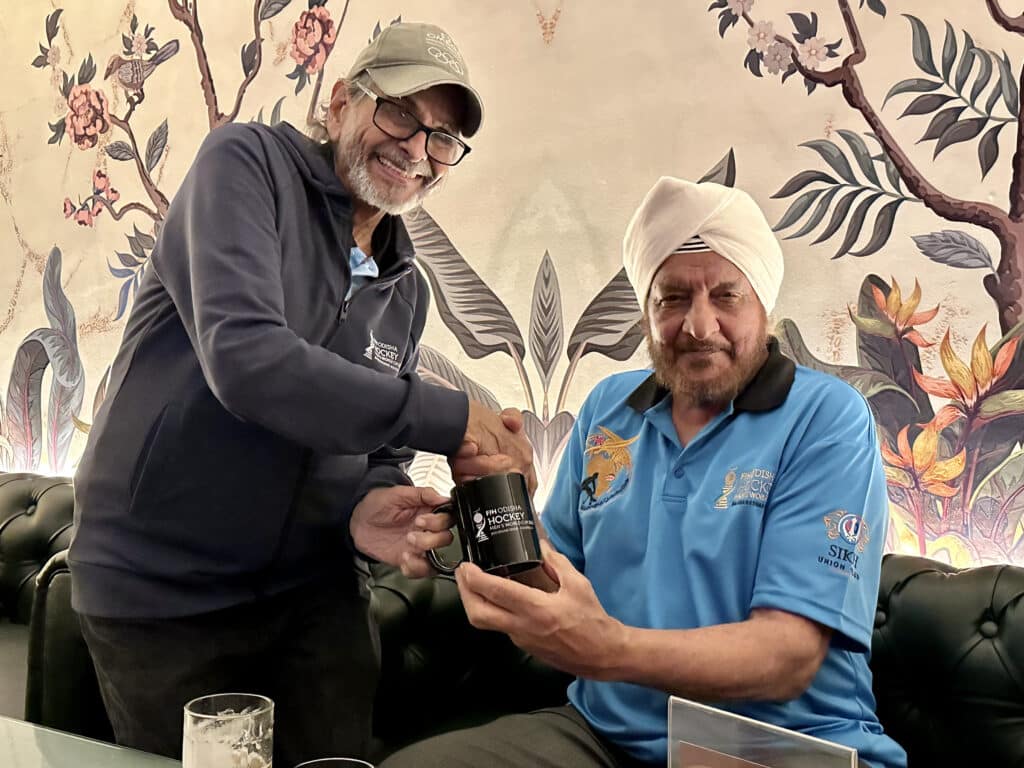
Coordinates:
[261,409]
[700,544]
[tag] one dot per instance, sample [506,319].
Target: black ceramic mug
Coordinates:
[496,525]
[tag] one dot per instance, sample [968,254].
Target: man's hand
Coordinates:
[494,443]
[567,629]
[397,525]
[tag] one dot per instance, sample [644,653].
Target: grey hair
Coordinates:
[316,124]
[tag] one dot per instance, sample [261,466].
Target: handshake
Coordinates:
[494,443]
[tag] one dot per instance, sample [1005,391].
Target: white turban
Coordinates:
[679,216]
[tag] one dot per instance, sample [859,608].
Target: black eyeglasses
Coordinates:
[398,123]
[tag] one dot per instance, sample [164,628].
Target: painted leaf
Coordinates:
[949,50]
[886,356]
[1008,403]
[801,180]
[994,94]
[861,155]
[926,104]
[65,405]
[248,56]
[912,85]
[865,380]
[122,297]
[101,393]
[817,215]
[753,62]
[67,366]
[877,6]
[24,418]
[988,149]
[469,308]
[797,209]
[922,46]
[548,440]
[834,156]
[883,228]
[1008,85]
[120,150]
[155,146]
[144,239]
[941,121]
[546,320]
[984,73]
[838,216]
[962,130]
[431,470]
[271,8]
[1003,485]
[724,172]
[963,69]
[890,168]
[52,24]
[955,249]
[87,71]
[610,324]
[58,309]
[435,368]
[275,113]
[856,223]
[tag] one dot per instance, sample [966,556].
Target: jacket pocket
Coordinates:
[154,464]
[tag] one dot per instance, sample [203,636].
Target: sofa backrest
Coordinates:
[36,514]
[948,661]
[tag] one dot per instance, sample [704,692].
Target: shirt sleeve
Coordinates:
[826,521]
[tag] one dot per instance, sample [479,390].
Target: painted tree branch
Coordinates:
[190,18]
[311,112]
[1003,19]
[255,69]
[1006,286]
[129,207]
[158,197]
[1013,24]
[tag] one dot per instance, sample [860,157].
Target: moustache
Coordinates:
[420,168]
[696,346]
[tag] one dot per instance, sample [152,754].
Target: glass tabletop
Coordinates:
[24,745]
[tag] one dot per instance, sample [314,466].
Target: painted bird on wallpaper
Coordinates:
[131,74]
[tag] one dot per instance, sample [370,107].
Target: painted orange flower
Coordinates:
[970,386]
[901,316]
[917,466]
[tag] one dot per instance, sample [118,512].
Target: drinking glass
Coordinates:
[229,730]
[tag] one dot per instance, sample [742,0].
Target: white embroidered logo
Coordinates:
[384,354]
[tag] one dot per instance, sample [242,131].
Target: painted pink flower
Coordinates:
[739,7]
[777,58]
[69,208]
[96,209]
[84,217]
[99,181]
[313,38]
[812,52]
[88,116]
[113,195]
[761,36]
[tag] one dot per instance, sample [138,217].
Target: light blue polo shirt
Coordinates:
[780,502]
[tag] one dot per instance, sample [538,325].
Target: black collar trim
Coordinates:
[765,392]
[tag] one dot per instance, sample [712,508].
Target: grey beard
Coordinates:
[364,188]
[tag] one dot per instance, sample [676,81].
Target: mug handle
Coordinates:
[437,561]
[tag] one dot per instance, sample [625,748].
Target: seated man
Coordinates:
[718,524]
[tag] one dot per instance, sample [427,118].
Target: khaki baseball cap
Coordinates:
[409,57]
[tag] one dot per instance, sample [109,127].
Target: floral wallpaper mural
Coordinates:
[883,139]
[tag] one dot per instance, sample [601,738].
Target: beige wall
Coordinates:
[577,128]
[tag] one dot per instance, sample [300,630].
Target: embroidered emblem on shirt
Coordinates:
[750,488]
[609,467]
[727,486]
[385,354]
[848,526]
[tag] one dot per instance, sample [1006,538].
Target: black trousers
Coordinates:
[314,650]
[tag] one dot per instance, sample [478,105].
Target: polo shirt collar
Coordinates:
[766,391]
